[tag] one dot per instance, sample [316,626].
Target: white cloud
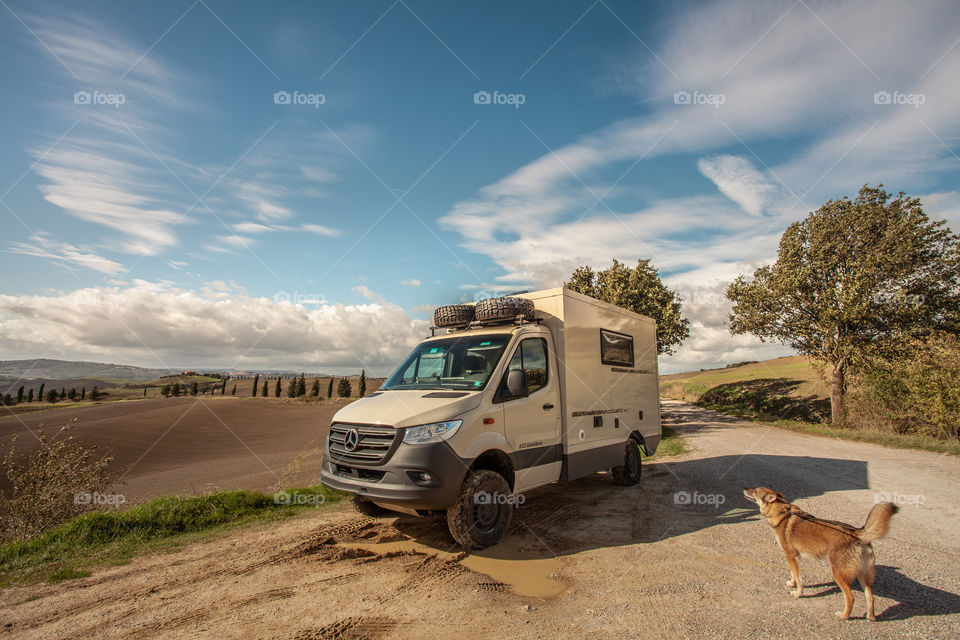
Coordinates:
[237,241]
[321,230]
[68,255]
[252,227]
[737,179]
[412,282]
[161,325]
[365,291]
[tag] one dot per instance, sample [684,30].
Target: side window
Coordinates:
[616,348]
[531,358]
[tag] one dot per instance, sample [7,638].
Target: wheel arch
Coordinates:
[498,461]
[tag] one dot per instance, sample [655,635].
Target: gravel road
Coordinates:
[681,555]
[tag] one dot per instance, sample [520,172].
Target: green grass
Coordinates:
[113,537]
[671,444]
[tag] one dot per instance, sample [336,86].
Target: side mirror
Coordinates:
[517,385]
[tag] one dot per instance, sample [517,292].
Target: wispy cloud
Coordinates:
[68,255]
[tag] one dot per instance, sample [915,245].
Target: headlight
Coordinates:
[434,432]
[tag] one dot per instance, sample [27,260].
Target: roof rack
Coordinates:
[474,324]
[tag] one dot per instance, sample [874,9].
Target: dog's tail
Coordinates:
[878,522]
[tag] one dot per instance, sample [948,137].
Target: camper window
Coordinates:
[616,348]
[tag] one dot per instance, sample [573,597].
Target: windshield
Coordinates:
[462,362]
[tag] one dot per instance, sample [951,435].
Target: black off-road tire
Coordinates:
[478,525]
[628,474]
[369,509]
[506,308]
[453,315]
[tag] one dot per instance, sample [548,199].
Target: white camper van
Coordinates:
[516,393]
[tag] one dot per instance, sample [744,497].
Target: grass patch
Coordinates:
[671,444]
[113,537]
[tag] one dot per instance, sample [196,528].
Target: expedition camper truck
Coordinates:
[517,393]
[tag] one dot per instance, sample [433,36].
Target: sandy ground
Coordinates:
[188,446]
[681,555]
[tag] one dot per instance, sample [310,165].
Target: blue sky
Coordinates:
[164,205]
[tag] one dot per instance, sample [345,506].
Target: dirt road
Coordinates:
[681,555]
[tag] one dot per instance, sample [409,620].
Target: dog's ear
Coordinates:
[772,497]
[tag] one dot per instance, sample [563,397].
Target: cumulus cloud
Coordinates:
[219,326]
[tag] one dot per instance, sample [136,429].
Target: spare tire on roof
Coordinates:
[453,315]
[506,308]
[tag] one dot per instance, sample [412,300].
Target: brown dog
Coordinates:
[847,548]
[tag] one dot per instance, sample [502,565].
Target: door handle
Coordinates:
[547,406]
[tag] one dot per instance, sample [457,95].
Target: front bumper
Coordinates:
[396,481]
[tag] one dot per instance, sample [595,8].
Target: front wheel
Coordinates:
[628,474]
[483,510]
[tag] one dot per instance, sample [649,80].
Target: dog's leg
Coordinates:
[844,583]
[867,574]
[795,580]
[868,592]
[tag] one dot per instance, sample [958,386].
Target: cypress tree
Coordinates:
[343,388]
[315,389]
[30,395]
[293,387]
[277,389]
[63,394]
[301,386]
[83,393]
[264,392]
[195,389]
[330,389]
[20,394]
[256,383]
[234,392]
[40,393]
[362,385]
[144,392]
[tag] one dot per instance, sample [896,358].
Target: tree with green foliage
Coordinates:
[176,389]
[195,389]
[301,386]
[362,384]
[30,395]
[95,394]
[330,389]
[315,389]
[72,394]
[63,394]
[144,392]
[83,393]
[223,389]
[165,391]
[256,383]
[264,392]
[20,394]
[7,399]
[853,278]
[276,390]
[343,388]
[40,393]
[234,392]
[52,395]
[639,290]
[292,387]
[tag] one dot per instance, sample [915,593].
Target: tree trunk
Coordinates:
[838,387]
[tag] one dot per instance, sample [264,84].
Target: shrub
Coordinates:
[343,388]
[44,483]
[913,389]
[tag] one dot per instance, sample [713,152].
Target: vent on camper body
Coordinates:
[445,394]
[598,421]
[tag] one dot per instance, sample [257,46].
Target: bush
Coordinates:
[44,484]
[344,389]
[914,389]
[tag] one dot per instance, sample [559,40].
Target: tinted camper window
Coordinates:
[616,348]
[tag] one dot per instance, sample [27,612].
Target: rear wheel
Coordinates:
[369,509]
[628,474]
[483,510]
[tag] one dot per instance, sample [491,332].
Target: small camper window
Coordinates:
[616,348]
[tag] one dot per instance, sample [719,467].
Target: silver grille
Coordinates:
[373,443]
